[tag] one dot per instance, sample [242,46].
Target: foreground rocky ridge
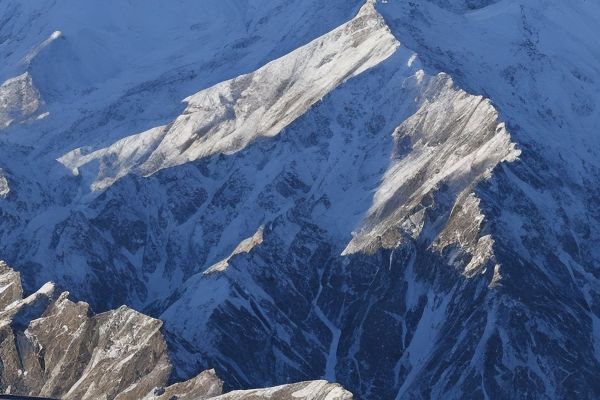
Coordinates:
[53,347]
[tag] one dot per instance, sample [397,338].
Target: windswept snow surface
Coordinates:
[402,196]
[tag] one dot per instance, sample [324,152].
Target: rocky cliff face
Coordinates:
[401,197]
[57,348]
[52,347]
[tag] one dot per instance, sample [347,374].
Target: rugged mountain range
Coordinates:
[54,347]
[399,196]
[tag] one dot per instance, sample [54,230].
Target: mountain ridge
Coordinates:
[53,347]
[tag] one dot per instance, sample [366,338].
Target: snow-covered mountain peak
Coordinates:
[452,142]
[227,117]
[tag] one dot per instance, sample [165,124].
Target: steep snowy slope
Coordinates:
[398,196]
[107,71]
[536,61]
[145,89]
[232,114]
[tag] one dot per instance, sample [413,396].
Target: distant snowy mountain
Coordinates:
[402,197]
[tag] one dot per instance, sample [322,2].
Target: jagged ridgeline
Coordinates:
[53,347]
